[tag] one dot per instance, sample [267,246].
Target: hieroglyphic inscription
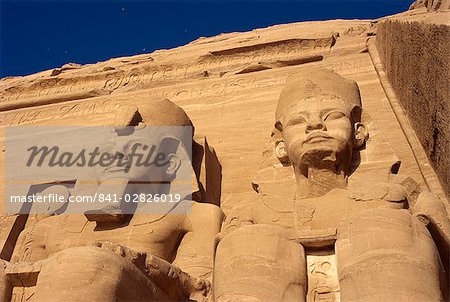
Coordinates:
[70,110]
[279,49]
[218,61]
[348,66]
[100,106]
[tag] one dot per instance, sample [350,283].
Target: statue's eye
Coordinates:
[334,115]
[296,120]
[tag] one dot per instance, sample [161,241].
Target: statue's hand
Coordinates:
[388,191]
[173,272]
[173,279]
[116,248]
[134,257]
[201,290]
[429,208]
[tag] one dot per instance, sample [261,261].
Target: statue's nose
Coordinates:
[315,124]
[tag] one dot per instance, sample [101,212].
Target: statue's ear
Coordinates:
[280,149]
[169,147]
[281,153]
[173,164]
[361,135]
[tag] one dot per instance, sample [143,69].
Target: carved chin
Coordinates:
[318,156]
[317,152]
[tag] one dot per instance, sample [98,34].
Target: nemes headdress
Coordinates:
[161,114]
[320,83]
[163,122]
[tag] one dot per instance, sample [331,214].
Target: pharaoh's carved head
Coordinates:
[158,128]
[318,116]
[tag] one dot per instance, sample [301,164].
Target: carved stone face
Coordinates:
[317,130]
[127,149]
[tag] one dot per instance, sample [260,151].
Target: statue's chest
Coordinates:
[324,213]
[264,214]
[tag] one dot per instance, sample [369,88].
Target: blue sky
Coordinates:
[38,35]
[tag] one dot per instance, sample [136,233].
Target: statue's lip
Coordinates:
[317,135]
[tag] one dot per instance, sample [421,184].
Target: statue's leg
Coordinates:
[387,255]
[259,263]
[93,274]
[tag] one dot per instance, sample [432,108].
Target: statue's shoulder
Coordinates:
[199,211]
[205,209]
[202,217]
[276,188]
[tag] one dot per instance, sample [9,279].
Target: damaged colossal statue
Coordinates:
[390,240]
[107,255]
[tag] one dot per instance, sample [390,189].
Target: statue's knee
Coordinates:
[86,253]
[262,255]
[100,273]
[264,241]
[380,229]
[375,218]
[87,259]
[384,234]
[386,246]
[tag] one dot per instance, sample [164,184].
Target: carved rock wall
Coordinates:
[414,50]
[431,5]
[230,84]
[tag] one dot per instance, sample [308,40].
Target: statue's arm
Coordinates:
[195,255]
[430,209]
[193,264]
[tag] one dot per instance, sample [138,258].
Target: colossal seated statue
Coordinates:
[106,254]
[390,241]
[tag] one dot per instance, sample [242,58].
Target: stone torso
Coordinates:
[157,235]
[315,214]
